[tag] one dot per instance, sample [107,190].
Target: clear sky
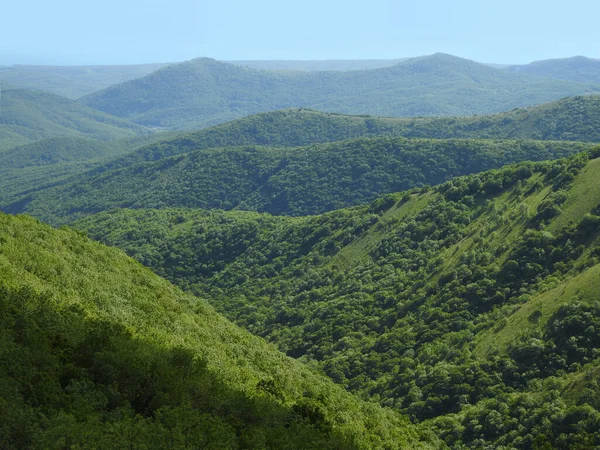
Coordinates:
[137,31]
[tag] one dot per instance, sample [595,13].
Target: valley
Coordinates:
[299,254]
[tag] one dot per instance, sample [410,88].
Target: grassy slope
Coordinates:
[73,81]
[584,196]
[283,181]
[88,282]
[536,313]
[205,92]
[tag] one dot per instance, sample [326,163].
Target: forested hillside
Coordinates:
[205,92]
[294,181]
[98,352]
[50,162]
[570,119]
[472,306]
[29,115]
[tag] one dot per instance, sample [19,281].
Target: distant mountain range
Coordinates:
[577,68]
[73,81]
[205,92]
[318,65]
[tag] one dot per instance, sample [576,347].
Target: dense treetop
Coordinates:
[570,119]
[471,306]
[293,181]
[98,352]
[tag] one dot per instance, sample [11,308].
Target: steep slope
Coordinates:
[407,300]
[205,92]
[577,68]
[29,115]
[295,181]
[98,352]
[73,81]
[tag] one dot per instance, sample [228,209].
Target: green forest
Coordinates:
[470,307]
[98,352]
[203,255]
[293,181]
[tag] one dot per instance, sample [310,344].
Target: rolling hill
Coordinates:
[472,307]
[294,181]
[577,68]
[569,119]
[98,352]
[73,81]
[29,115]
[205,92]
[50,162]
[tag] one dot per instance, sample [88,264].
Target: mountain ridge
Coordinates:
[204,92]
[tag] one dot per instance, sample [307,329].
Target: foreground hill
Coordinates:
[294,181]
[577,68]
[73,81]
[472,306]
[98,352]
[205,92]
[29,115]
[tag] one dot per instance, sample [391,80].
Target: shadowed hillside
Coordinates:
[98,352]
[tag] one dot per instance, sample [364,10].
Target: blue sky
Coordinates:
[138,31]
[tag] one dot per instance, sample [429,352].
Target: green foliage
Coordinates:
[571,119]
[298,181]
[29,116]
[51,162]
[98,352]
[399,322]
[205,92]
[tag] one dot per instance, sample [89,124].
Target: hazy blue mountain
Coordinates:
[318,65]
[205,92]
[577,68]
[73,81]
